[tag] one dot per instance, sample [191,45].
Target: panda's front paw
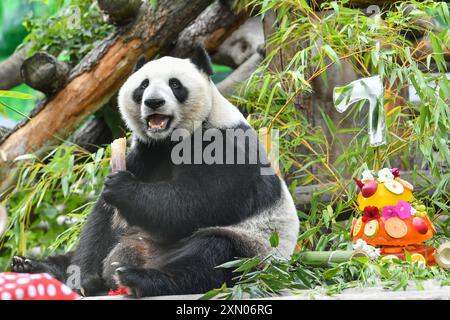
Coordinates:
[21,265]
[119,188]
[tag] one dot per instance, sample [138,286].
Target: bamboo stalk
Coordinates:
[118,155]
[3,220]
[118,163]
[325,258]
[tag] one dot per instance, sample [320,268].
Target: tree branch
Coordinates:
[228,86]
[210,29]
[10,68]
[45,73]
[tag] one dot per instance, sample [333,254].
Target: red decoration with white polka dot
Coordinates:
[40,286]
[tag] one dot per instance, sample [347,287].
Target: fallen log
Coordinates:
[45,73]
[97,78]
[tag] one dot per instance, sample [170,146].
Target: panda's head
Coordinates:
[167,94]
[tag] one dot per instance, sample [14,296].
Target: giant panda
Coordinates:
[162,227]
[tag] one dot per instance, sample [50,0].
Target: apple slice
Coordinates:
[357,227]
[371,228]
[406,184]
[395,227]
[394,186]
[420,225]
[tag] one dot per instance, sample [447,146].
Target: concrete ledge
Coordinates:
[432,291]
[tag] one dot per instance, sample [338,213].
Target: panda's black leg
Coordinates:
[56,266]
[189,270]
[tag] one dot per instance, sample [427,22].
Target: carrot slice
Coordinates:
[396,228]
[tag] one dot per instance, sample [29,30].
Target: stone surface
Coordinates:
[431,291]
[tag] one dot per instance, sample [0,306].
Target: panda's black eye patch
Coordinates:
[174,83]
[139,91]
[145,84]
[179,91]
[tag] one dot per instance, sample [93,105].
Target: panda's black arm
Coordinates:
[96,239]
[178,207]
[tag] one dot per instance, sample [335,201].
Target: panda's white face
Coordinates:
[164,95]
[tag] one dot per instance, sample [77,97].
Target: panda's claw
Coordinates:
[21,265]
[131,279]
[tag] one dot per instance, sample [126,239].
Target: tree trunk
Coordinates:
[228,86]
[120,12]
[93,134]
[98,76]
[210,29]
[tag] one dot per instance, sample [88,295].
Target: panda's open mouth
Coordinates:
[158,122]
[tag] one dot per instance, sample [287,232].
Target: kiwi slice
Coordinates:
[371,228]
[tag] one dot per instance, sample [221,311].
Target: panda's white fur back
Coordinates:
[256,230]
[280,217]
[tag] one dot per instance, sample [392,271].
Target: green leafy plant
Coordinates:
[70,33]
[50,201]
[316,43]
[259,278]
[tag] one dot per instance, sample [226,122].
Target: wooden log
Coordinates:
[357,3]
[10,68]
[93,134]
[210,29]
[45,73]
[97,78]
[3,131]
[120,12]
[227,87]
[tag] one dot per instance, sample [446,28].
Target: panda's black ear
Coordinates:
[140,63]
[201,60]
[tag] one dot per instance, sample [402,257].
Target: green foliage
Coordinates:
[19,109]
[63,184]
[417,133]
[12,31]
[272,275]
[8,103]
[70,33]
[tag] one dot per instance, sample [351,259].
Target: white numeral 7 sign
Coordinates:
[370,89]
